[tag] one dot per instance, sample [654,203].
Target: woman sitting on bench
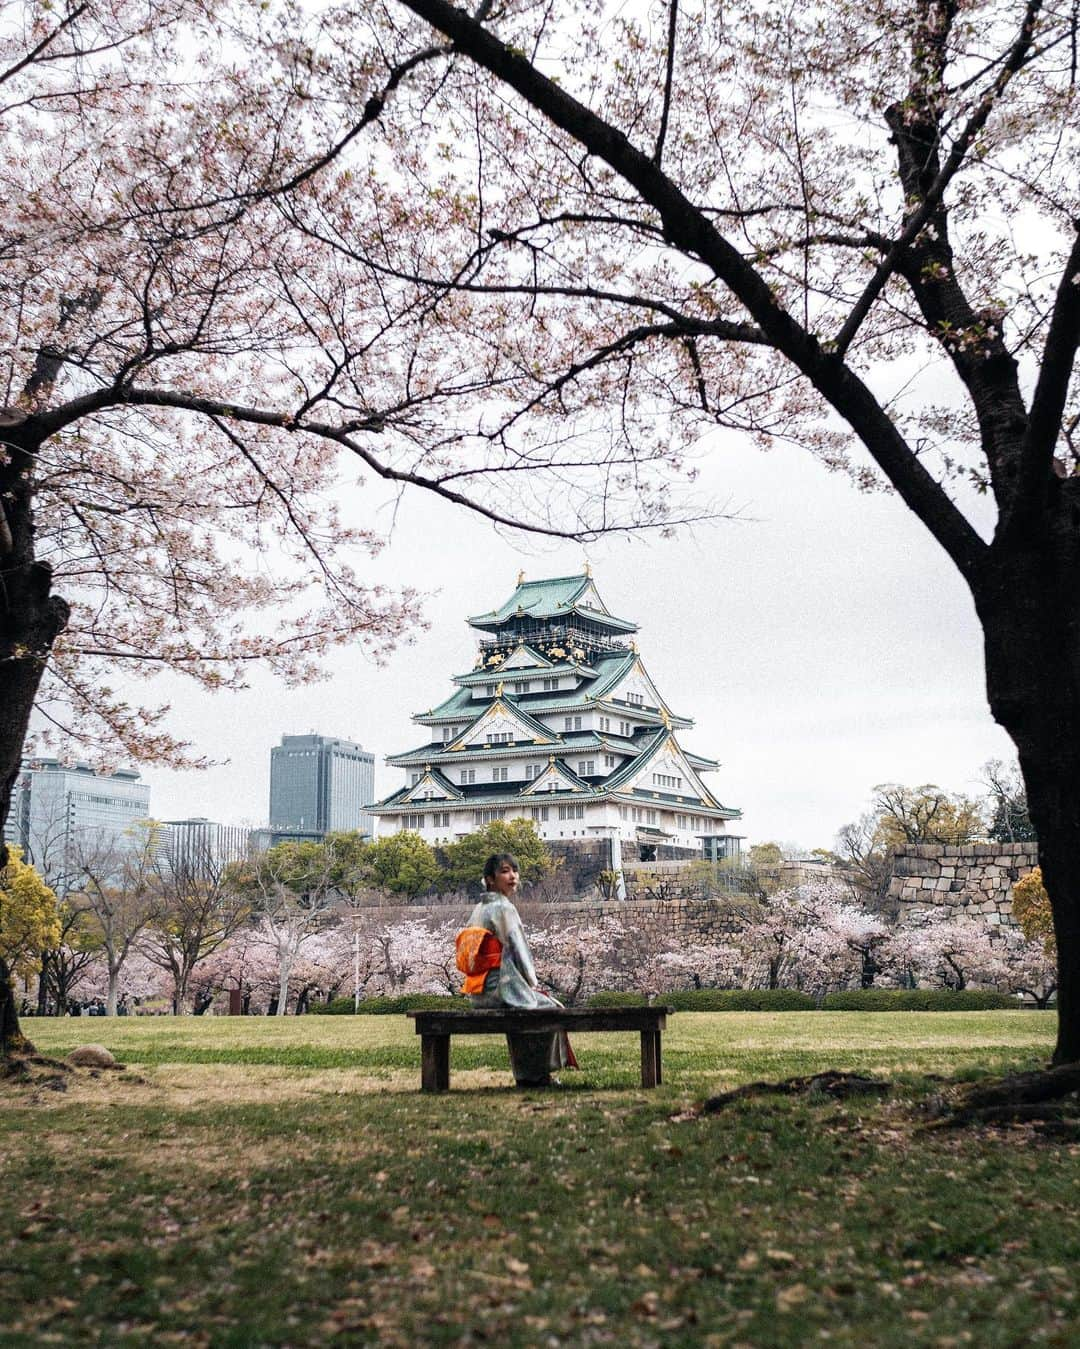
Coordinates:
[500,973]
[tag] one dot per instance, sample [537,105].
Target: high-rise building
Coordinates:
[58,809]
[319,785]
[202,847]
[558,722]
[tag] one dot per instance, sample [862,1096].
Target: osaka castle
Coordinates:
[558,722]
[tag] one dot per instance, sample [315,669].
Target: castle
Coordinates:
[559,723]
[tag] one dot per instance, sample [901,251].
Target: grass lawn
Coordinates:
[251,1181]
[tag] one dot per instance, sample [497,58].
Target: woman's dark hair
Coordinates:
[495,861]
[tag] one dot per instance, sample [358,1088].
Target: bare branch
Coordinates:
[673,17]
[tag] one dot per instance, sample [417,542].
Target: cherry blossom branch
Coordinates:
[686,227]
[56,419]
[669,76]
[1051,390]
[932,198]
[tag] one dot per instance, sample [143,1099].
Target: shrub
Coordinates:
[405,1002]
[616,999]
[714,1000]
[917,1000]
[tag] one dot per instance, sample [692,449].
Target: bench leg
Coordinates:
[434,1063]
[650,1058]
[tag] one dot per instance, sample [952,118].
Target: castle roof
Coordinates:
[558,597]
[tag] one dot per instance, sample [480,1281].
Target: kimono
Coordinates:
[533,1057]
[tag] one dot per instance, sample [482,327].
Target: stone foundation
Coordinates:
[972,881]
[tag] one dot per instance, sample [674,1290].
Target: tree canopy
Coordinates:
[29,918]
[464,860]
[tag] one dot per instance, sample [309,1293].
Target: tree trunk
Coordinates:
[31,618]
[1030,612]
[110,997]
[284,971]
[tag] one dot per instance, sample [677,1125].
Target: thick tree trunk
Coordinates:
[31,618]
[1030,612]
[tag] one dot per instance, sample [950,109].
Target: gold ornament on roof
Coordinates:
[588,568]
[521,576]
[665,717]
[499,689]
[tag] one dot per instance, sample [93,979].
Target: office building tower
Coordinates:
[59,810]
[201,847]
[319,785]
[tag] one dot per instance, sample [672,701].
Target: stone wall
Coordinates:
[689,919]
[665,897]
[973,881]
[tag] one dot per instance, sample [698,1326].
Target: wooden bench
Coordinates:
[436,1028]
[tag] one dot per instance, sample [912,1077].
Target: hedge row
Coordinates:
[917,1000]
[722,1000]
[788,1000]
[715,1000]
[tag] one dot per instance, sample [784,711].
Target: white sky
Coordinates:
[821,642]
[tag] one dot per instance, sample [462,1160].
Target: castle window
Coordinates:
[550,685]
[586,768]
[468,775]
[635,700]
[540,813]
[523,686]
[572,811]
[412,821]
[488,814]
[571,723]
[499,774]
[609,760]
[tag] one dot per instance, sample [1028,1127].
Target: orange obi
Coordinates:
[478,951]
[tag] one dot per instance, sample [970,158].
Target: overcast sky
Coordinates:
[821,643]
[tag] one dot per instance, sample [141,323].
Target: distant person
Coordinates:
[500,973]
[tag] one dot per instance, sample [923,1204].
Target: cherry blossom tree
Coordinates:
[198,910]
[575,959]
[842,936]
[1028,968]
[412,956]
[770,942]
[191,381]
[140,979]
[242,964]
[120,893]
[853,226]
[937,947]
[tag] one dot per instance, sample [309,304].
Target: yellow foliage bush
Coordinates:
[1031,908]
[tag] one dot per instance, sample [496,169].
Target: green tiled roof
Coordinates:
[699,762]
[493,676]
[567,742]
[554,597]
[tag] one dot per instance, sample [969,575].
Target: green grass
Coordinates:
[282,1182]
